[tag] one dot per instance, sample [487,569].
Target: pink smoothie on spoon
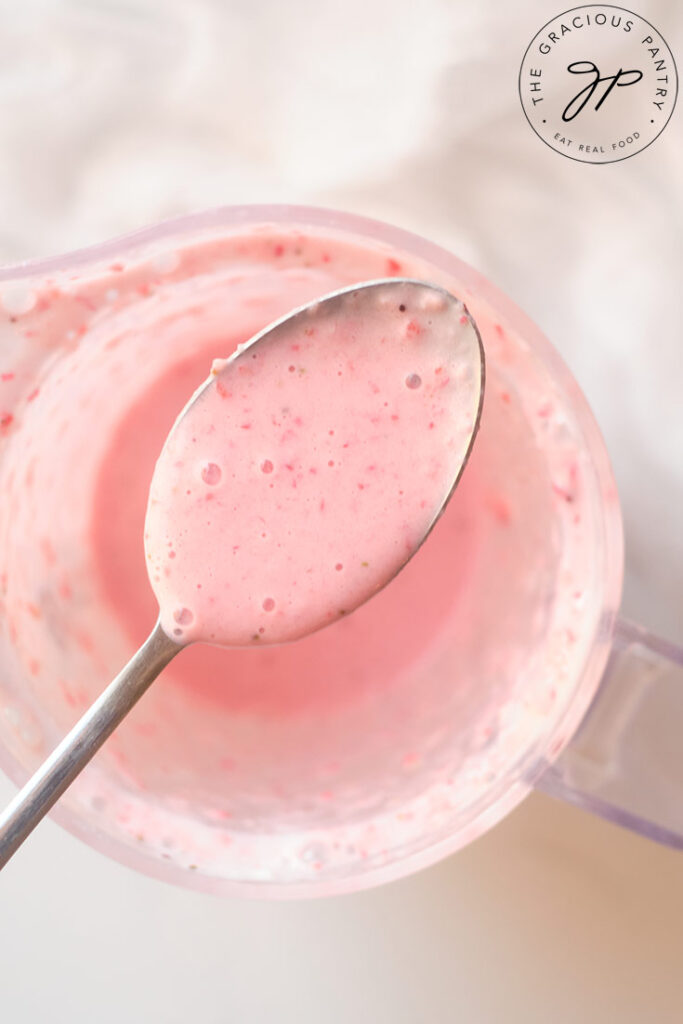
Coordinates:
[312,465]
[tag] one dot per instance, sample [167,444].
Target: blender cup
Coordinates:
[492,665]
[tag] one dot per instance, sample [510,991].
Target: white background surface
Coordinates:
[115,114]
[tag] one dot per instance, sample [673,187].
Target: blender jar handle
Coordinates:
[625,762]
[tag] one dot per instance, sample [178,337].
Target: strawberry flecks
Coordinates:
[69,694]
[32,395]
[48,551]
[501,510]
[292,380]
[6,420]
[6,376]
[563,493]
[568,492]
[85,641]
[557,746]
[393,267]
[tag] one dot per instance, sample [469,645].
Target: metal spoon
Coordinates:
[74,752]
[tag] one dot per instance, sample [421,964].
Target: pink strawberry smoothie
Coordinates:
[352,742]
[284,497]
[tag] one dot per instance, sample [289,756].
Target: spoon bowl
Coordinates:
[313,463]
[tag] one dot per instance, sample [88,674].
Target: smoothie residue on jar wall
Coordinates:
[401,710]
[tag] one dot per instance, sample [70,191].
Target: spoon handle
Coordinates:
[57,773]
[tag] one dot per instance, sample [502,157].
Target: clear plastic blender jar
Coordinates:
[387,741]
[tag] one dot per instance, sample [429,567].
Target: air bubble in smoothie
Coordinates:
[313,519]
[211,473]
